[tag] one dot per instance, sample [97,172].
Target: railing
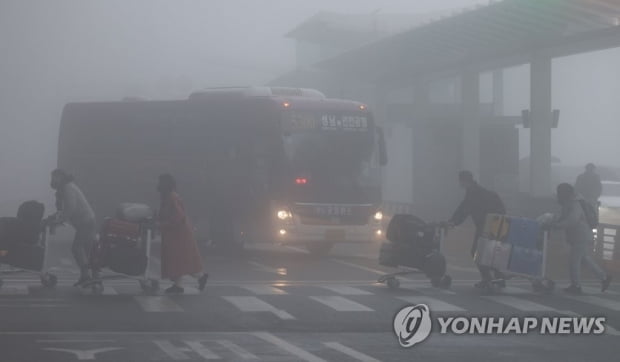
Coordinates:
[607,245]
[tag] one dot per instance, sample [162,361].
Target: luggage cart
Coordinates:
[438,280]
[540,282]
[147,284]
[48,279]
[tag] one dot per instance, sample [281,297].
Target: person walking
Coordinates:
[478,203]
[589,186]
[572,219]
[73,208]
[180,255]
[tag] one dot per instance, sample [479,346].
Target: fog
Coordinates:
[54,52]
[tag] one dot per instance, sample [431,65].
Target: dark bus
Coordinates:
[253,164]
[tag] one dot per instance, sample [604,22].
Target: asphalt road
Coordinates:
[280,304]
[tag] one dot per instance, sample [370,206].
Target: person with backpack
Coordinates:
[589,186]
[73,208]
[578,218]
[478,203]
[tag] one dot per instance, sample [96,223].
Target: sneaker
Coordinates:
[202,282]
[605,283]
[573,289]
[83,279]
[175,289]
[481,285]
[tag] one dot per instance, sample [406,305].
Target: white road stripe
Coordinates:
[14,290]
[236,349]
[598,301]
[158,304]
[350,352]
[288,347]
[515,290]
[523,305]
[341,304]
[371,270]
[76,341]
[597,290]
[433,304]
[268,269]
[177,354]
[264,289]
[346,290]
[201,350]
[253,304]
[107,290]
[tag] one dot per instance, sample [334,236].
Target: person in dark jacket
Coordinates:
[589,186]
[478,203]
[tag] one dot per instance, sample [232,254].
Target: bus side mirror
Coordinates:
[383,159]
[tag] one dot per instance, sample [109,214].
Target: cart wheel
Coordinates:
[549,285]
[393,283]
[97,288]
[154,285]
[49,280]
[445,282]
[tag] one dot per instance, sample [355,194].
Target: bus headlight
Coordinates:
[378,216]
[284,215]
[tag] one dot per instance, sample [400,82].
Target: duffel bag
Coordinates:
[23,256]
[133,212]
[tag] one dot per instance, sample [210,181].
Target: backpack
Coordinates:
[590,213]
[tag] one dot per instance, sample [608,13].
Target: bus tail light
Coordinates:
[301,180]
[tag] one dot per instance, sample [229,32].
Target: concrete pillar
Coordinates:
[470,97]
[379,104]
[540,131]
[498,92]
[421,112]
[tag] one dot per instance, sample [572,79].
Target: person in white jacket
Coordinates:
[74,209]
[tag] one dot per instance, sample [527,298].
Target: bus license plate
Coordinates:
[336,234]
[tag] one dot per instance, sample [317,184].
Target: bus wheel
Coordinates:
[319,249]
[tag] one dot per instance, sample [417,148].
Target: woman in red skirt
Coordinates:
[180,255]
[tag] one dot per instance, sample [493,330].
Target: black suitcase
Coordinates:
[126,260]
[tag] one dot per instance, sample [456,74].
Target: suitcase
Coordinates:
[493,253]
[387,255]
[526,261]
[525,233]
[408,229]
[23,256]
[126,260]
[115,231]
[496,227]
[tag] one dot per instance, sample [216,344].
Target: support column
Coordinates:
[498,92]
[541,123]
[421,112]
[470,95]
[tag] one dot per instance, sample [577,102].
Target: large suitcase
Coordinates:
[525,233]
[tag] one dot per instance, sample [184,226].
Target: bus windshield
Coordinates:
[332,157]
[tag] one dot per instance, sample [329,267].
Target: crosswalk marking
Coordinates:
[346,290]
[236,349]
[434,304]
[158,304]
[341,304]
[253,304]
[515,290]
[288,347]
[262,289]
[201,350]
[598,301]
[350,352]
[597,290]
[14,290]
[521,304]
